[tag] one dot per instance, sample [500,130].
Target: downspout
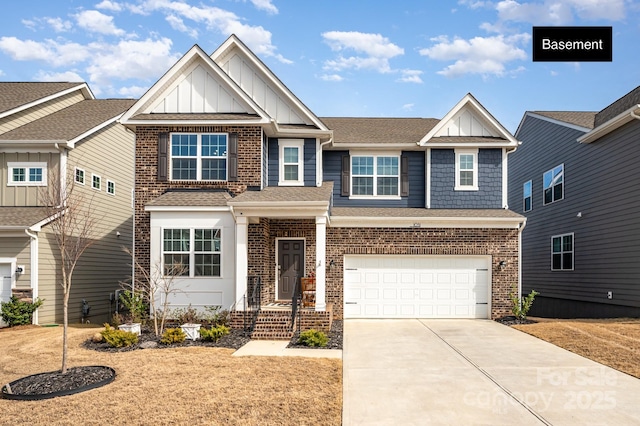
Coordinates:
[319,167]
[634,115]
[520,229]
[33,245]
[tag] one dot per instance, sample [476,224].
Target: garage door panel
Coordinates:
[371,293]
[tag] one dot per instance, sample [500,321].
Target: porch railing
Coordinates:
[296,300]
[254,302]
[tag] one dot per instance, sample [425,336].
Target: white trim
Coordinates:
[319,160]
[424,222]
[290,143]
[616,122]
[192,253]
[505,180]
[93,176]
[83,87]
[427,178]
[375,175]
[75,174]
[562,252]
[12,261]
[187,208]
[304,258]
[532,114]
[113,193]
[474,186]
[553,185]
[27,165]
[242,261]
[321,255]
[198,157]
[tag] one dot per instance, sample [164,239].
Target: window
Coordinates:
[526,196]
[553,181]
[191,252]
[111,187]
[562,252]
[96,182]
[79,176]
[466,170]
[199,156]
[375,176]
[291,162]
[27,174]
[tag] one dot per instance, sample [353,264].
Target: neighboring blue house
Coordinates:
[390,217]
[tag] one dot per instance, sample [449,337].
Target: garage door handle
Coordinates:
[350,303]
[350,269]
[485,303]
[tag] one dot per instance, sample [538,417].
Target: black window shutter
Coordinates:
[346,176]
[232,157]
[404,176]
[163,149]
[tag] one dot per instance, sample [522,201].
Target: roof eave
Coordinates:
[187,208]
[611,125]
[426,222]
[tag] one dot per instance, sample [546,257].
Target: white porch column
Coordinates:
[321,255]
[242,261]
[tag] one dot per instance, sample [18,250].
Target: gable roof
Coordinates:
[617,114]
[619,106]
[365,131]
[20,95]
[22,217]
[583,119]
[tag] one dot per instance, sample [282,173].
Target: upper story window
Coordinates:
[199,156]
[553,183]
[466,170]
[526,196]
[111,187]
[191,252]
[562,252]
[291,154]
[96,182]
[375,175]
[27,174]
[79,176]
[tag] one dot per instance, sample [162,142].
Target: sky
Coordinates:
[401,58]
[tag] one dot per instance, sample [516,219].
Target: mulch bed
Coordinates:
[511,320]
[334,335]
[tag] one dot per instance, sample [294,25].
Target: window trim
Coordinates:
[75,175]
[114,187]
[525,197]
[93,186]
[198,157]
[375,175]
[192,253]
[544,203]
[562,252]
[474,170]
[290,143]
[27,165]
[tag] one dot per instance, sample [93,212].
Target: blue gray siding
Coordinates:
[332,169]
[310,155]
[443,178]
[600,182]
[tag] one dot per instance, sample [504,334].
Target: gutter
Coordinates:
[609,126]
[33,258]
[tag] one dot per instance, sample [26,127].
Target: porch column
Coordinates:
[242,262]
[321,255]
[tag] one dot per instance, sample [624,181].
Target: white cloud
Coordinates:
[109,5]
[96,22]
[560,12]
[479,55]
[178,24]
[265,5]
[69,76]
[410,76]
[132,91]
[59,25]
[49,51]
[373,51]
[408,107]
[331,77]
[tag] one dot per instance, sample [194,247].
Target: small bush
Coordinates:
[118,338]
[173,335]
[187,315]
[520,307]
[313,338]
[214,316]
[214,333]
[17,312]
[135,307]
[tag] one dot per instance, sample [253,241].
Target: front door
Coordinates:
[290,267]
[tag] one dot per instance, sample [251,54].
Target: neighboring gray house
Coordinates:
[575,178]
[51,131]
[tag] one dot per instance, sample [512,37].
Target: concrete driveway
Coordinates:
[475,372]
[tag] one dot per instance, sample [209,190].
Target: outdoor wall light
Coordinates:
[331,263]
[502,264]
[19,270]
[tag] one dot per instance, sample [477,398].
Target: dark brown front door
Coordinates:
[290,266]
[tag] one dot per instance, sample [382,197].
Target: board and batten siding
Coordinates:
[25,196]
[309,162]
[600,183]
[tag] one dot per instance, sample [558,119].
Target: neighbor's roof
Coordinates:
[618,107]
[70,122]
[379,130]
[21,217]
[286,194]
[192,198]
[423,213]
[16,94]
[579,118]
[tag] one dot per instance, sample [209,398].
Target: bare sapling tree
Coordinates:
[156,284]
[73,226]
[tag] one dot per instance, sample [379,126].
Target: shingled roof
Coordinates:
[21,217]
[619,106]
[16,94]
[579,118]
[286,194]
[379,130]
[191,198]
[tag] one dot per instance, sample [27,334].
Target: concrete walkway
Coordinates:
[475,372]
[279,348]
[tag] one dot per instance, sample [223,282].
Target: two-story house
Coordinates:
[240,182]
[574,178]
[52,133]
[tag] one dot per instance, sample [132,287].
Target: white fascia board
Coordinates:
[29,145]
[605,128]
[72,143]
[473,145]
[377,146]
[551,120]
[81,86]
[274,130]
[187,208]
[281,211]
[259,122]
[423,222]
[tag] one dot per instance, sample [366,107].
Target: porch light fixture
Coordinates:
[502,264]
[331,263]
[19,269]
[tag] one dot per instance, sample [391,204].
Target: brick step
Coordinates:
[272,325]
[271,335]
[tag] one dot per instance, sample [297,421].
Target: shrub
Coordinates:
[18,312]
[173,335]
[214,333]
[187,315]
[118,338]
[520,306]
[313,338]
[136,308]
[214,316]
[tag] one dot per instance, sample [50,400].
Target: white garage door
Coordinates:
[416,286]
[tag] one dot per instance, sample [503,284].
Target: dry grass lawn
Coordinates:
[612,342]
[182,386]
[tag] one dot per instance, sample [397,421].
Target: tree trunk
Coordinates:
[65,326]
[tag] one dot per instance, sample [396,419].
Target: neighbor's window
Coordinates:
[553,183]
[79,176]
[111,187]
[466,170]
[199,156]
[291,162]
[27,174]
[375,175]
[526,196]
[191,252]
[96,182]
[562,252]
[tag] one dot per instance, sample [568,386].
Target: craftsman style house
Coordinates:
[574,178]
[52,133]
[237,180]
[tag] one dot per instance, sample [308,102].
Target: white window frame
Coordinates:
[28,165]
[198,157]
[75,175]
[93,186]
[474,170]
[192,253]
[562,251]
[290,143]
[530,197]
[375,175]
[114,187]
[544,203]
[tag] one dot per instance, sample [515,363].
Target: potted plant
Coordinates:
[135,308]
[189,320]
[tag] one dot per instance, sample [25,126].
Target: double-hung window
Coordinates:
[291,152]
[375,175]
[562,252]
[466,170]
[553,184]
[192,252]
[199,156]
[79,176]
[27,174]
[526,196]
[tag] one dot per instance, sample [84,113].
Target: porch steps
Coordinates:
[273,325]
